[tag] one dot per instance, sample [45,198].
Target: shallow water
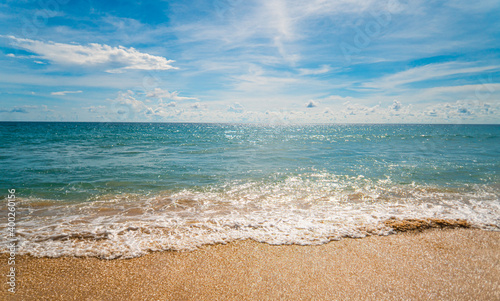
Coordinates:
[123,189]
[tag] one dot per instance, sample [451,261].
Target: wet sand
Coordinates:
[435,264]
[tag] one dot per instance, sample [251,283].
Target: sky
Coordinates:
[253,61]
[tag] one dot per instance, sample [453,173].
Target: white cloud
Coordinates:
[164,94]
[352,109]
[396,106]
[196,106]
[127,98]
[322,70]
[94,55]
[127,107]
[311,104]
[62,93]
[236,108]
[95,109]
[465,111]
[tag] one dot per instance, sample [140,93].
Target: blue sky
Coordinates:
[269,61]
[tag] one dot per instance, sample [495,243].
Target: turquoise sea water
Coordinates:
[122,189]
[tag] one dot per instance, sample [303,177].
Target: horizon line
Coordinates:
[242,123]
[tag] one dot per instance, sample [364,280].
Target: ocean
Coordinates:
[121,190]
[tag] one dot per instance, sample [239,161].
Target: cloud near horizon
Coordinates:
[164,94]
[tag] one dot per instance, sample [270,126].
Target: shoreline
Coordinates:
[458,264]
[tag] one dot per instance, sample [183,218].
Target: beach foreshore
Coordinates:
[434,264]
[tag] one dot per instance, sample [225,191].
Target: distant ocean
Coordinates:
[120,190]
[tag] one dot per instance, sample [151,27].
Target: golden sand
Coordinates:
[435,264]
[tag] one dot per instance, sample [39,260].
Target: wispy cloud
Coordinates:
[62,93]
[118,58]
[322,70]
[14,110]
[165,94]
[427,72]
[258,80]
[26,109]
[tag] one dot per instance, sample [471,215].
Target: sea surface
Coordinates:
[121,190]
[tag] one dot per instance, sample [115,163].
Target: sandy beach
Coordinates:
[435,264]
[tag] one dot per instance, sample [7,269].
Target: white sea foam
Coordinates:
[306,211]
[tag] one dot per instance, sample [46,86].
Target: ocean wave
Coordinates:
[298,210]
